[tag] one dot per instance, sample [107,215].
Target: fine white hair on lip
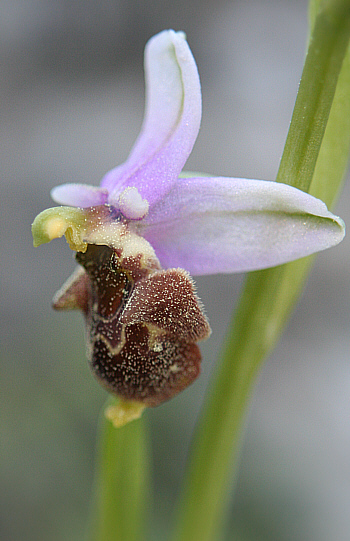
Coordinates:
[132,205]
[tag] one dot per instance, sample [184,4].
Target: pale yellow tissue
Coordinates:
[124,412]
[55,228]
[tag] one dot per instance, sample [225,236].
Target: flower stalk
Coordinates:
[328,44]
[122,482]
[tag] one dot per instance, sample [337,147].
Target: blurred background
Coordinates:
[72,97]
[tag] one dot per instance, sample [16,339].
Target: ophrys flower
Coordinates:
[148,225]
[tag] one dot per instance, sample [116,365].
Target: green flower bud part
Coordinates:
[55,222]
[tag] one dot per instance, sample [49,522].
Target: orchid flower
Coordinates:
[140,235]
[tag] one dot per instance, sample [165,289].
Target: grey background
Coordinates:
[72,102]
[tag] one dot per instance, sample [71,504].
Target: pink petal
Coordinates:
[171,122]
[79,195]
[220,225]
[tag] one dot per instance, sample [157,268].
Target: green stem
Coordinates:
[121,492]
[323,63]
[269,295]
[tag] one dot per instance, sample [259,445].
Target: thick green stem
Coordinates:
[327,49]
[269,295]
[121,495]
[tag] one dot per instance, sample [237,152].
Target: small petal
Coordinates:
[213,225]
[79,195]
[131,204]
[171,123]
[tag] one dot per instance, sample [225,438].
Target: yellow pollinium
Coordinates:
[58,221]
[123,412]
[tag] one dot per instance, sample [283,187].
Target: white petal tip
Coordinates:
[132,205]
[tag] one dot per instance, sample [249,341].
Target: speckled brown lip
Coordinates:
[142,324]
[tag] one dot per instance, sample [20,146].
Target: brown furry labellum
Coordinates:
[142,324]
